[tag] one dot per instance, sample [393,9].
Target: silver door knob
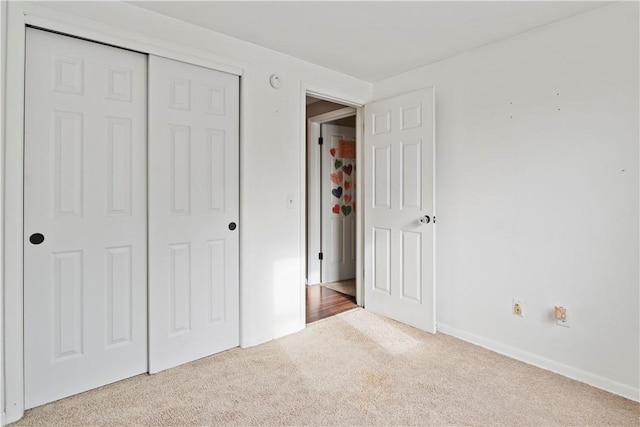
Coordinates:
[425,219]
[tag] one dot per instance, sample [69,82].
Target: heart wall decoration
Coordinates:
[336,178]
[337,192]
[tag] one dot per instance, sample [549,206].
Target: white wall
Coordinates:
[537,194]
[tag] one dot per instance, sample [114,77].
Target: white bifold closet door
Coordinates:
[85,284]
[193,210]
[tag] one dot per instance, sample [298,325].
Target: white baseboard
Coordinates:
[544,363]
[297,327]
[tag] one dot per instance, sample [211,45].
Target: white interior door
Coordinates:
[85,284]
[338,190]
[193,207]
[399,190]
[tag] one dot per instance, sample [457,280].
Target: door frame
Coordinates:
[309,89]
[20,16]
[314,179]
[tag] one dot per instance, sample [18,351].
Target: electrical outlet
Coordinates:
[517,307]
[560,314]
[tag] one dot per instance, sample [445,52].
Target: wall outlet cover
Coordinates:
[560,314]
[517,307]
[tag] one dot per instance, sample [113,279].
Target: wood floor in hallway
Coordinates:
[324,302]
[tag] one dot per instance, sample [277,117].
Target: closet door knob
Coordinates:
[232,226]
[36,238]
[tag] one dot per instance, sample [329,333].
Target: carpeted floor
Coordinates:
[356,368]
[345,286]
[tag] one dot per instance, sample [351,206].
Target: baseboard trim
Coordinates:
[544,363]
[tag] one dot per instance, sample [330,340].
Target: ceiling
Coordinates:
[370,40]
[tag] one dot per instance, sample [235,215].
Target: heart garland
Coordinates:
[336,178]
[338,192]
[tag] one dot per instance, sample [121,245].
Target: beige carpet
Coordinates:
[352,369]
[345,286]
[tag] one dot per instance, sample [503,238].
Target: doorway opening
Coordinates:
[331,220]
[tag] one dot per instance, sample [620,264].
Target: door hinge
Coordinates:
[320,256]
[320,141]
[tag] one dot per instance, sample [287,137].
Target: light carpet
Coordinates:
[345,286]
[356,368]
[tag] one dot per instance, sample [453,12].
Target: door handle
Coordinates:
[36,238]
[232,226]
[425,219]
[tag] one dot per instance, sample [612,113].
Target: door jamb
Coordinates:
[339,98]
[3,64]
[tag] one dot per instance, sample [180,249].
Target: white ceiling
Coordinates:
[370,40]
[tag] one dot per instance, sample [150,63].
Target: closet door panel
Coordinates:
[85,212]
[193,199]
